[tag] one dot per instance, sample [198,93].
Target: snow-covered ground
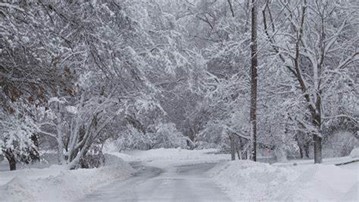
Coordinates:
[168,174]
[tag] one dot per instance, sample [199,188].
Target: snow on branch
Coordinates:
[7,5]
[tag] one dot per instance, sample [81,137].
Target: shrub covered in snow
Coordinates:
[167,136]
[339,144]
[164,135]
[131,138]
[17,135]
[214,136]
[355,153]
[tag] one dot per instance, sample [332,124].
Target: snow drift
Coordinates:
[252,181]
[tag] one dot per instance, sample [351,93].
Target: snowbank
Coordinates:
[251,181]
[326,161]
[58,184]
[324,183]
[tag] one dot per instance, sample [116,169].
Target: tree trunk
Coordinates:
[12,163]
[317,139]
[306,150]
[317,149]
[60,150]
[301,152]
[318,123]
[254,75]
[11,159]
[233,148]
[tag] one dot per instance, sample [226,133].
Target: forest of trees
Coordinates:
[143,74]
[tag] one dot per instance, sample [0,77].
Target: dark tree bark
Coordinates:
[11,159]
[254,77]
[12,163]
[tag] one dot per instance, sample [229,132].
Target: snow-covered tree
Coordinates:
[317,44]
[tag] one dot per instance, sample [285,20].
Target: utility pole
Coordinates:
[254,80]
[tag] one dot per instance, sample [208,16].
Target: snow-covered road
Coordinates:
[184,175]
[176,183]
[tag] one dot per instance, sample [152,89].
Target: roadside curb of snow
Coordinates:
[248,180]
[62,184]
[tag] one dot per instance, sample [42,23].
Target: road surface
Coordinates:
[180,183]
